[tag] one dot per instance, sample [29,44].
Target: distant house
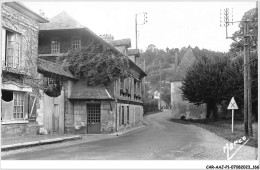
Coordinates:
[87,109]
[181,107]
[19,88]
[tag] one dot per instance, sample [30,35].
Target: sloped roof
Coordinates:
[61,21]
[20,7]
[187,61]
[133,52]
[50,67]
[82,91]
[123,42]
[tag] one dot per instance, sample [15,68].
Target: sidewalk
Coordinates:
[36,140]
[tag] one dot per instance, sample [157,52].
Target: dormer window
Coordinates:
[76,43]
[55,46]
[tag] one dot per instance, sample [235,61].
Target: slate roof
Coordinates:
[123,42]
[62,21]
[50,67]
[133,52]
[82,91]
[187,61]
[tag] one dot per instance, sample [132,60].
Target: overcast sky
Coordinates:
[170,24]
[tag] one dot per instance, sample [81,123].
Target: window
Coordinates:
[13,47]
[76,43]
[128,116]
[55,46]
[123,116]
[18,105]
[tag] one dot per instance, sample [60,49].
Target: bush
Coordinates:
[150,105]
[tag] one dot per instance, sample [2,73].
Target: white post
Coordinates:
[232,120]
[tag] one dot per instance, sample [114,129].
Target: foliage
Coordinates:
[238,45]
[150,105]
[97,64]
[166,95]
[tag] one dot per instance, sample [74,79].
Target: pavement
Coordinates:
[12,143]
[160,139]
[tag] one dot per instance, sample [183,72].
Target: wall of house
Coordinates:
[27,28]
[108,117]
[135,116]
[182,107]
[69,127]
[19,129]
[65,37]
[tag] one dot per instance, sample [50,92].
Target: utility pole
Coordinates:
[247,71]
[246,91]
[136,24]
[136,36]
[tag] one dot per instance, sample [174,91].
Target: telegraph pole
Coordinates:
[247,71]
[136,36]
[246,91]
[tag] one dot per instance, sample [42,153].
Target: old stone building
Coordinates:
[102,109]
[181,107]
[19,86]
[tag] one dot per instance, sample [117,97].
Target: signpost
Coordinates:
[232,106]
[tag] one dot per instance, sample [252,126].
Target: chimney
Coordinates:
[41,13]
[107,37]
[176,60]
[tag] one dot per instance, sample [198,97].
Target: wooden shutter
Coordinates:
[32,108]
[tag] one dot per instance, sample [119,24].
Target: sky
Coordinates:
[170,24]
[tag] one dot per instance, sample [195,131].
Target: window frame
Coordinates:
[57,49]
[72,43]
[15,46]
[21,98]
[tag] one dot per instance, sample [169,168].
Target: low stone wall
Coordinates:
[19,129]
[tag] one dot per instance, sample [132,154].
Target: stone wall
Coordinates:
[135,116]
[182,107]
[69,127]
[108,117]
[19,129]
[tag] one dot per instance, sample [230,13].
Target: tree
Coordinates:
[97,64]
[166,95]
[205,82]
[238,46]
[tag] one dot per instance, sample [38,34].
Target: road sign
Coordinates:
[232,105]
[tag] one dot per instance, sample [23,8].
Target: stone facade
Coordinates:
[19,70]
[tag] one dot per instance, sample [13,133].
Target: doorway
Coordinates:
[94,118]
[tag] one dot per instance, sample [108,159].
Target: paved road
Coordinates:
[161,139]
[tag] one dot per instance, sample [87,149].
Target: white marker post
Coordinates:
[232,105]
